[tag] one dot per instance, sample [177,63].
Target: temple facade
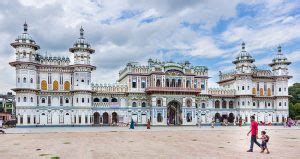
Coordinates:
[59,91]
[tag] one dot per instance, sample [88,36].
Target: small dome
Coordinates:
[243,55]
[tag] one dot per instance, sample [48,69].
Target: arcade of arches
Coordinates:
[105,118]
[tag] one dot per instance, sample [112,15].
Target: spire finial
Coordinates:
[279,49]
[243,46]
[81,32]
[25,27]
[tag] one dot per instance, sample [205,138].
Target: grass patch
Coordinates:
[16,144]
[221,147]
[44,154]
[55,157]
[67,142]
[131,141]
[292,138]
[194,140]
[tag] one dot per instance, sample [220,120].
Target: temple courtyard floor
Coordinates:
[158,142]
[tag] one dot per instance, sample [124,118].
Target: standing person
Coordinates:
[254,133]
[148,124]
[131,124]
[240,121]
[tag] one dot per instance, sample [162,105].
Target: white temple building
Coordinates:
[55,91]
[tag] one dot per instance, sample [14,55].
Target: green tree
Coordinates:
[294,102]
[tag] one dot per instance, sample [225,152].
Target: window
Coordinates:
[134,83]
[224,104]
[159,118]
[44,85]
[67,100]
[217,104]
[269,104]
[284,103]
[158,83]
[31,80]
[243,87]
[18,80]
[179,83]
[158,103]
[133,104]
[24,80]
[188,103]
[203,105]
[167,83]
[253,104]
[67,86]
[18,99]
[203,85]
[105,100]
[248,87]
[82,80]
[143,84]
[43,100]
[279,89]
[279,103]
[31,99]
[55,85]
[114,100]
[253,91]
[24,99]
[143,104]
[77,100]
[238,88]
[82,100]
[243,103]
[188,83]
[88,100]
[96,100]
[231,105]
[49,100]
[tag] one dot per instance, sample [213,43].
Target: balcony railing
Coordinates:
[172,89]
[106,104]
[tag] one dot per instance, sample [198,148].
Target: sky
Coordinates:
[204,32]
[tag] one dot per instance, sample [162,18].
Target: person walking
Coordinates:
[254,134]
[148,124]
[131,124]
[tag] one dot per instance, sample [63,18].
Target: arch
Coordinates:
[67,86]
[188,83]
[269,92]
[230,104]
[179,83]
[217,117]
[114,118]
[158,103]
[167,83]
[44,85]
[261,92]
[173,82]
[188,103]
[66,100]
[43,100]
[174,113]
[25,99]
[203,105]
[96,100]
[159,118]
[96,118]
[105,118]
[224,104]
[217,104]
[231,118]
[189,117]
[105,100]
[24,80]
[158,83]
[144,104]
[133,104]
[253,91]
[114,100]
[55,85]
[31,80]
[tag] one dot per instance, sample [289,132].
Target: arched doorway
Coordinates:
[114,118]
[174,113]
[224,116]
[217,117]
[105,118]
[231,118]
[96,118]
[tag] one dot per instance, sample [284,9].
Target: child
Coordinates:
[265,139]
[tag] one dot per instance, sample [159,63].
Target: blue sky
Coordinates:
[204,32]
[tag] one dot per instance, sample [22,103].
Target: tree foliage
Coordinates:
[294,102]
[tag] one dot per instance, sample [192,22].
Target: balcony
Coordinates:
[106,104]
[173,89]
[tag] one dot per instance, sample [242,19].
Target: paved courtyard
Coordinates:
[159,142]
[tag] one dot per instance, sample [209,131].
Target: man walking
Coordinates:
[254,133]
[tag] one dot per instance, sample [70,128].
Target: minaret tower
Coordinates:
[26,74]
[280,64]
[82,71]
[243,61]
